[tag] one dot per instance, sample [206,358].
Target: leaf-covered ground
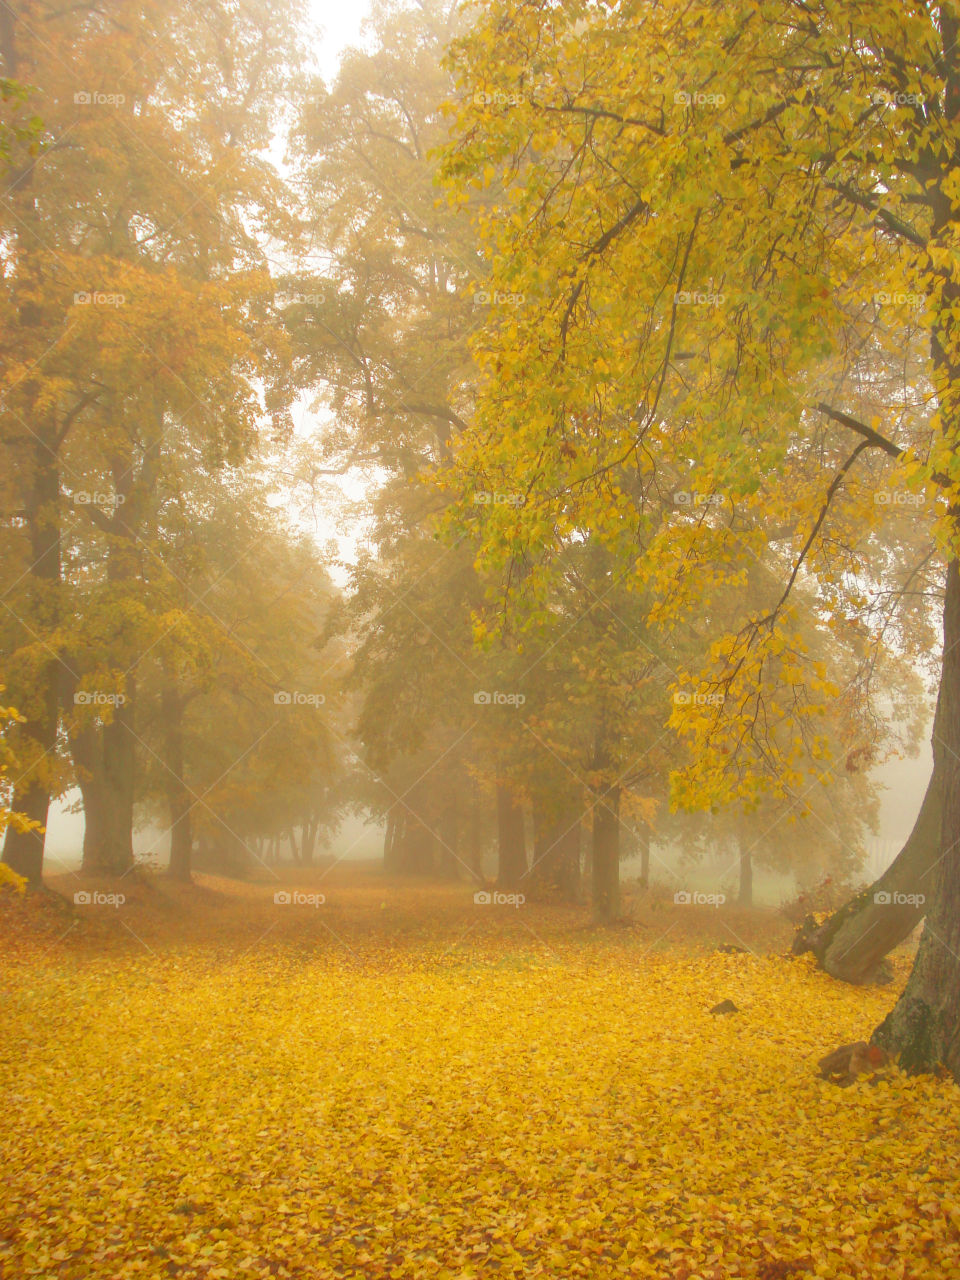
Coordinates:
[560,1108]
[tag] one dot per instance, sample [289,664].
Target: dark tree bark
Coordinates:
[643,840]
[108,838]
[84,748]
[413,847]
[179,804]
[555,871]
[390,843]
[511,840]
[474,835]
[853,942]
[606,855]
[37,606]
[924,1026]
[308,838]
[37,736]
[449,864]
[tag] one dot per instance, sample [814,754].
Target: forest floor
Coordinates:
[400,1082]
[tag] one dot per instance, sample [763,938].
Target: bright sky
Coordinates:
[339,24]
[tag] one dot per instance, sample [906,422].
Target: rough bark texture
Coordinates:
[924,1026]
[473,841]
[390,844]
[449,864]
[606,855]
[109,789]
[178,797]
[555,871]
[853,942]
[511,840]
[37,604]
[23,850]
[643,838]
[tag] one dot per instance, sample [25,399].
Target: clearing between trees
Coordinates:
[401,1082]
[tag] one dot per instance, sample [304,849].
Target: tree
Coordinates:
[788,328]
[131,304]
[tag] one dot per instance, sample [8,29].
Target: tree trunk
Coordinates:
[745,891]
[924,1026]
[178,797]
[555,871]
[474,835]
[390,843]
[36,739]
[511,840]
[643,833]
[449,863]
[308,838]
[37,605]
[853,942]
[568,859]
[114,855]
[85,748]
[109,850]
[606,855]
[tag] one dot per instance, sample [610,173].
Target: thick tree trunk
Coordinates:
[23,850]
[308,839]
[413,846]
[606,855]
[568,859]
[449,864]
[555,871]
[85,748]
[924,1026]
[643,835]
[853,942]
[37,604]
[109,849]
[511,840]
[390,843]
[474,835]
[745,890]
[179,805]
[36,739]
